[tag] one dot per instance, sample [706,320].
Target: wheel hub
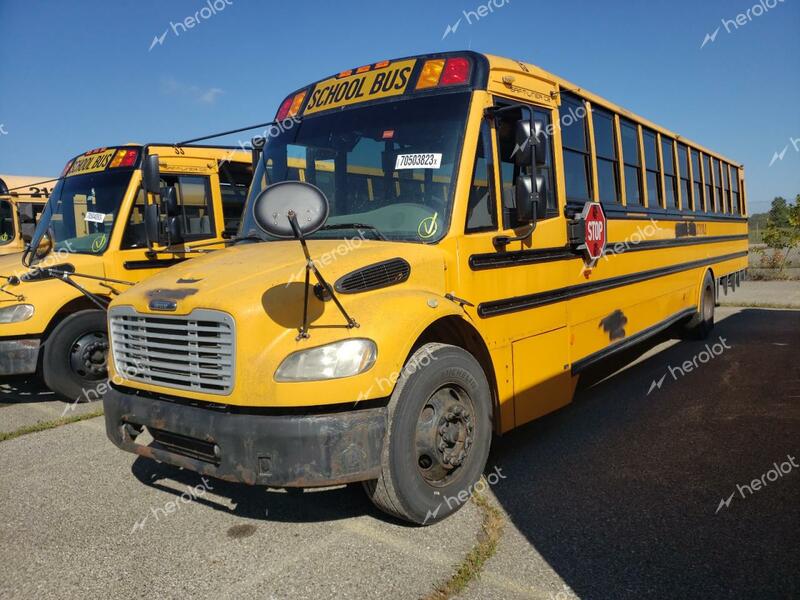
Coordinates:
[89,356]
[444,434]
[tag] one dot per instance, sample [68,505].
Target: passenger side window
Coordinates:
[697,178]
[605,141]
[234,181]
[506,147]
[653,170]
[720,199]
[670,181]
[710,199]
[683,168]
[482,208]
[630,156]
[737,207]
[575,143]
[197,210]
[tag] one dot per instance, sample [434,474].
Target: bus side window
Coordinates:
[234,181]
[194,198]
[506,143]
[482,208]
[6,222]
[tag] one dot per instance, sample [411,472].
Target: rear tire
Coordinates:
[76,355]
[701,324]
[438,436]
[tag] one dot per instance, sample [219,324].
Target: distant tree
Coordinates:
[779,213]
[783,228]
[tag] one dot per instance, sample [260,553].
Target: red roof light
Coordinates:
[456,70]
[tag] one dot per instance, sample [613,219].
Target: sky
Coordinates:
[80,75]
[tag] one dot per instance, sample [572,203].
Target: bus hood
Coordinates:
[47,295]
[272,273]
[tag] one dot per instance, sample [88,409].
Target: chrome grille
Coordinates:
[195,352]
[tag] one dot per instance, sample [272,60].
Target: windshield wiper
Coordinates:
[356,226]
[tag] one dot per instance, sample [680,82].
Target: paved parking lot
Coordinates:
[619,495]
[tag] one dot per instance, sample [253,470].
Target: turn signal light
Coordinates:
[291,106]
[430,74]
[124,158]
[440,72]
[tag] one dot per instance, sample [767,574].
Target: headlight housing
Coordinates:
[332,361]
[17,313]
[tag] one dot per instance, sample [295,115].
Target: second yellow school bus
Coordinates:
[471,288]
[22,201]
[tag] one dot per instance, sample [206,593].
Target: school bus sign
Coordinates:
[346,89]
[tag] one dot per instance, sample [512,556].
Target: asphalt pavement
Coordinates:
[635,490]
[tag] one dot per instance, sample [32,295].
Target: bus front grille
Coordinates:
[195,352]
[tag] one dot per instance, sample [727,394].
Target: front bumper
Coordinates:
[19,357]
[273,450]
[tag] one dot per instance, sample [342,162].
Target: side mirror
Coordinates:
[151,175]
[291,209]
[530,204]
[523,198]
[539,143]
[152,224]
[530,145]
[171,206]
[258,148]
[27,214]
[26,231]
[523,150]
[175,230]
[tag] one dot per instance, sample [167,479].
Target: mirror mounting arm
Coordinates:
[311,267]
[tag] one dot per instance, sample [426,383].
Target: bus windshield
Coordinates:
[6,222]
[390,167]
[82,211]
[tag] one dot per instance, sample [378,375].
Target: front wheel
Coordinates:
[76,356]
[438,436]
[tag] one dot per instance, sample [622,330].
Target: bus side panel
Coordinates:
[543,381]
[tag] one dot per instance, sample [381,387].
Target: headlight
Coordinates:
[340,359]
[16,314]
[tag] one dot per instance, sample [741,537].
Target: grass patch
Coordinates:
[483,550]
[45,425]
[759,305]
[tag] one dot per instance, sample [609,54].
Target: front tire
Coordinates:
[438,436]
[76,355]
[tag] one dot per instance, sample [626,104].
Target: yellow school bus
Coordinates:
[92,243]
[22,201]
[434,251]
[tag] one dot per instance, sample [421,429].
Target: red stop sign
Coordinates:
[595,228]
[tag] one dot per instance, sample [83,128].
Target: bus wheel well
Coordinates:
[458,332]
[71,307]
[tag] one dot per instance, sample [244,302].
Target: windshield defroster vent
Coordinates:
[373,277]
